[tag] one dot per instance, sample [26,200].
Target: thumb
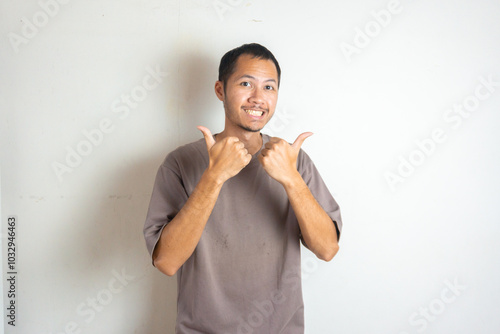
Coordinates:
[300,139]
[209,139]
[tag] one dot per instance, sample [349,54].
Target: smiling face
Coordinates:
[250,94]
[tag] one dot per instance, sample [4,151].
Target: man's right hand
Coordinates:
[227,157]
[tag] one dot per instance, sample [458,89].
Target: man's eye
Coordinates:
[269,87]
[245,83]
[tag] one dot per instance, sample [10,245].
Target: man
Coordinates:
[228,212]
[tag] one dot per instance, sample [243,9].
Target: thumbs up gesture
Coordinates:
[226,157]
[279,158]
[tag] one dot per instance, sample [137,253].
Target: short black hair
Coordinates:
[228,61]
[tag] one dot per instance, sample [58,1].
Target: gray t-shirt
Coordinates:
[244,275]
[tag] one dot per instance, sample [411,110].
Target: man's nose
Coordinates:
[256,97]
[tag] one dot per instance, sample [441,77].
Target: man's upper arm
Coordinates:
[167,198]
[319,190]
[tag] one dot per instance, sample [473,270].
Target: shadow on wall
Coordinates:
[116,288]
[157,294]
[194,80]
[198,104]
[196,77]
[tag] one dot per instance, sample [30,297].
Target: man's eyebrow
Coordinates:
[252,77]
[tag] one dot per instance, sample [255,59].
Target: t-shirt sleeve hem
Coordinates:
[155,243]
[337,229]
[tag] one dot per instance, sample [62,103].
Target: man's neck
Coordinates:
[252,140]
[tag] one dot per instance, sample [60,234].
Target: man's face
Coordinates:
[251,93]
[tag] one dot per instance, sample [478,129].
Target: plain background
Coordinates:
[402,245]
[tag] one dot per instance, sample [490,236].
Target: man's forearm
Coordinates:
[180,236]
[317,228]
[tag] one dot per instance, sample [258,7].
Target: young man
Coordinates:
[228,212]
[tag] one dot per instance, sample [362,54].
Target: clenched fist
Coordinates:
[226,157]
[279,158]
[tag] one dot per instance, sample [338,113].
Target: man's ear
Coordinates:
[219,90]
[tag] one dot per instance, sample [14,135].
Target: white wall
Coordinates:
[404,243]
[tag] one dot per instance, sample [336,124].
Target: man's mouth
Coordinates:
[253,112]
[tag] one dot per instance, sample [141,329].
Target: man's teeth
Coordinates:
[254,112]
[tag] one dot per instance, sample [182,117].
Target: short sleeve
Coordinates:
[320,191]
[168,197]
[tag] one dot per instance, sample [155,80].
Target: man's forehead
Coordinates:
[253,67]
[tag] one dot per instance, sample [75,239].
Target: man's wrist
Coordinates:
[294,182]
[212,179]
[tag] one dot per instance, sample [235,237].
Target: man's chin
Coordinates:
[250,129]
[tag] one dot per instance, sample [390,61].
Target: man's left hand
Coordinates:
[279,158]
